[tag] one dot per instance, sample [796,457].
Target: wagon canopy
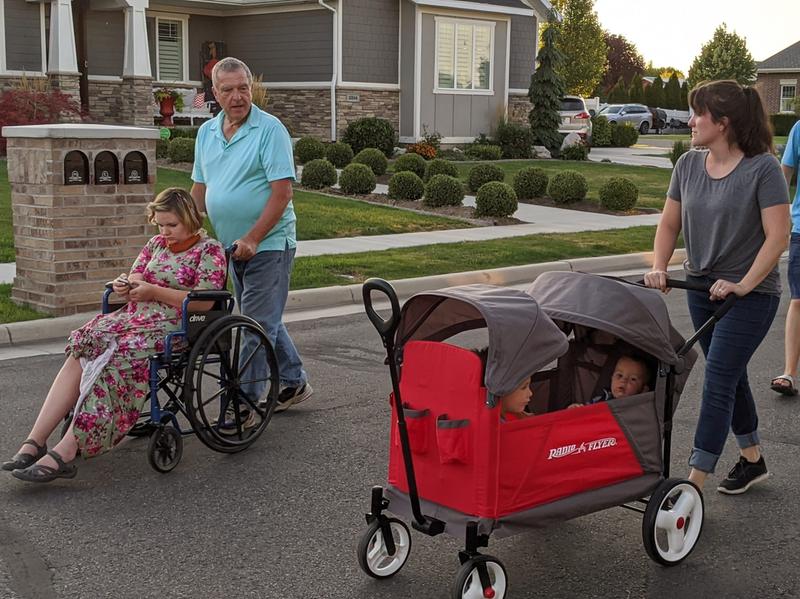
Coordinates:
[635,314]
[522,339]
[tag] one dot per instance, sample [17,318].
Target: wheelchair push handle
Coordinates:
[385,327]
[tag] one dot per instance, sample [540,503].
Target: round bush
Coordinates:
[339,154]
[307,149]
[162,148]
[410,162]
[318,173]
[371,132]
[181,149]
[406,185]
[357,178]
[530,182]
[567,186]
[483,173]
[437,166]
[484,152]
[443,190]
[624,136]
[578,151]
[618,193]
[495,199]
[601,132]
[374,159]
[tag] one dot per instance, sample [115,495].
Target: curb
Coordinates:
[18,333]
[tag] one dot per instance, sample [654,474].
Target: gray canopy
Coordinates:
[522,339]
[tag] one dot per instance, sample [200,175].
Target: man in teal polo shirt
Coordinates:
[243,173]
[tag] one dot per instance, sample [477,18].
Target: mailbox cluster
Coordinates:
[106,168]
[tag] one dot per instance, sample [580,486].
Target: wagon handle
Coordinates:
[385,327]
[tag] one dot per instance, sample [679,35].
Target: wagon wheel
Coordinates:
[673,521]
[373,555]
[468,584]
[216,373]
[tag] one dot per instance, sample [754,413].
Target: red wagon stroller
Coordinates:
[455,467]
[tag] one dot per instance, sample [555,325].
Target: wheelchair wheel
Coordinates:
[224,416]
[673,521]
[165,448]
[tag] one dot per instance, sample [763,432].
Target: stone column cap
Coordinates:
[81,131]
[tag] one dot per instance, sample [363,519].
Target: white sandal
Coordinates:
[789,389]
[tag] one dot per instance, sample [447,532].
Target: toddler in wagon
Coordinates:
[512,405]
[630,377]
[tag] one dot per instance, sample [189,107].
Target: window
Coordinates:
[464,55]
[170,50]
[788,93]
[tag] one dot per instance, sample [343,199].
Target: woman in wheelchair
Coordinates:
[105,375]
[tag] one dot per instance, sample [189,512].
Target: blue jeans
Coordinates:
[793,272]
[728,346]
[261,286]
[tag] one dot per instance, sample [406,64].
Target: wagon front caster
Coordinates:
[378,559]
[165,448]
[480,577]
[673,521]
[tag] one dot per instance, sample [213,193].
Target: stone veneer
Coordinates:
[768,85]
[518,109]
[71,239]
[67,84]
[380,103]
[125,102]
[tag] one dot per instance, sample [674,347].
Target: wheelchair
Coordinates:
[202,381]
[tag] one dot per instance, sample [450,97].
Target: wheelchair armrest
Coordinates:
[209,295]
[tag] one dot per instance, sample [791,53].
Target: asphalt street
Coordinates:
[282,519]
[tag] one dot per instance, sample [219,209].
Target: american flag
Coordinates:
[199,100]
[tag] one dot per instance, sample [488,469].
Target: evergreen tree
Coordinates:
[618,93]
[684,96]
[672,93]
[546,90]
[582,43]
[654,94]
[725,56]
[636,91]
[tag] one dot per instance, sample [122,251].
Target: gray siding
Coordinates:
[202,29]
[23,36]
[293,46]
[370,40]
[105,41]
[408,16]
[508,3]
[523,51]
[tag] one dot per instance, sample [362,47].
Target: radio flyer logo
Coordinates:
[586,446]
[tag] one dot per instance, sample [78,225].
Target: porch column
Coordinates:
[137,79]
[62,62]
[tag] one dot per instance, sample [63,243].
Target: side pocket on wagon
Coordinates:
[452,437]
[418,425]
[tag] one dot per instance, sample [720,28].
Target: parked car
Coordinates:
[637,115]
[575,118]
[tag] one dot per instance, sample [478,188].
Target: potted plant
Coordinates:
[169,100]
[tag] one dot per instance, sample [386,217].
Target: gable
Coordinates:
[788,59]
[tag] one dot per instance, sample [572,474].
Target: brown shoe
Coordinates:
[39,473]
[23,460]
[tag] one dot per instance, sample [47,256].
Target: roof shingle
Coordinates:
[788,58]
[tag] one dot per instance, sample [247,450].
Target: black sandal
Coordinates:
[39,473]
[23,460]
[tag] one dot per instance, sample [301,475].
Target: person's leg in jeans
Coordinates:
[787,382]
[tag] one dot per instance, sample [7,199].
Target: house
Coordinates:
[777,79]
[455,67]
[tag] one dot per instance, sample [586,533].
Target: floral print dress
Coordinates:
[114,348]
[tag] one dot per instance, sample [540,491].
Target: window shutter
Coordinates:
[170,51]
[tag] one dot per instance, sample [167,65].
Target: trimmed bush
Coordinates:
[162,148]
[318,173]
[406,185]
[339,154]
[443,190]
[530,182]
[181,149]
[495,199]
[567,186]
[618,193]
[782,123]
[413,163]
[307,149]
[483,152]
[437,166]
[578,151]
[601,132]
[374,159]
[357,178]
[678,149]
[483,173]
[190,132]
[371,132]
[515,141]
[624,135]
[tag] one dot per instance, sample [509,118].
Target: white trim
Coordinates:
[184,20]
[178,84]
[508,68]
[334,75]
[787,70]
[517,92]
[417,71]
[233,11]
[26,73]
[791,99]
[463,92]
[457,140]
[374,86]
[3,37]
[340,45]
[105,78]
[297,84]
[405,139]
[437,19]
[475,6]
[787,82]
[43,36]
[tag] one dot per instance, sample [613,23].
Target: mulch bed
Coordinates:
[588,206]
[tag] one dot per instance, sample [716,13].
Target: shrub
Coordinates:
[483,152]
[406,185]
[483,173]
[783,123]
[515,141]
[530,182]
[371,132]
[567,186]
[618,193]
[443,190]
[162,148]
[624,135]
[440,167]
[190,132]
[451,154]
[678,149]
[410,162]
[601,132]
[34,105]
[357,178]
[318,173]
[339,154]
[308,148]
[578,151]
[181,149]
[495,199]
[424,149]
[374,159]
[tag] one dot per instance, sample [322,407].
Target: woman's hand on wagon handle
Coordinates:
[722,289]
[657,279]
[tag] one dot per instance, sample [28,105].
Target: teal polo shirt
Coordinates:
[237,176]
[791,158]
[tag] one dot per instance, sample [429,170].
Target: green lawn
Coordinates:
[6,231]
[11,312]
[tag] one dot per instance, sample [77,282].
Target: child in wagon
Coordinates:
[512,405]
[630,377]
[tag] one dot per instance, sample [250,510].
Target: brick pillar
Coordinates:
[71,239]
[69,84]
[137,101]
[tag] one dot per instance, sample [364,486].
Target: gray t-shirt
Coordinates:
[721,218]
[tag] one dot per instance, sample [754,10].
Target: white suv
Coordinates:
[575,118]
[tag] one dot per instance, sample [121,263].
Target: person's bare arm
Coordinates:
[788,173]
[199,196]
[279,198]
[776,223]
[669,227]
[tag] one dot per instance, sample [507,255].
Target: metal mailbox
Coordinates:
[76,168]
[106,169]
[135,168]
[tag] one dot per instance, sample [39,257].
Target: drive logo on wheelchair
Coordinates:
[197,318]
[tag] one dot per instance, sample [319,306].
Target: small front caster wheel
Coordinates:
[469,583]
[673,521]
[373,555]
[165,448]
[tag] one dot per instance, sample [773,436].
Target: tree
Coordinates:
[684,96]
[622,60]
[582,44]
[654,94]
[546,90]
[672,93]
[636,93]
[725,56]
[618,93]
[664,72]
